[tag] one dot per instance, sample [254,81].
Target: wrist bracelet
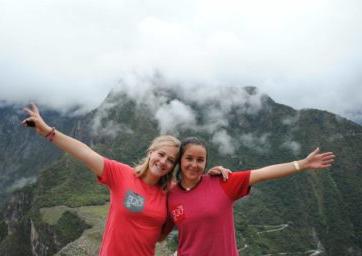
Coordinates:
[51,134]
[296,165]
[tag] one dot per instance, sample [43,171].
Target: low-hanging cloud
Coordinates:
[224,142]
[22,182]
[174,116]
[293,146]
[101,126]
[257,142]
[213,107]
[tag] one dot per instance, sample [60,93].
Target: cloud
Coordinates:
[102,126]
[291,120]
[293,146]
[22,182]
[64,53]
[224,142]
[174,116]
[259,143]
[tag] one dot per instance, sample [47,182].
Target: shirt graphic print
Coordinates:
[178,213]
[134,202]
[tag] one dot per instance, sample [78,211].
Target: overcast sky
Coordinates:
[306,54]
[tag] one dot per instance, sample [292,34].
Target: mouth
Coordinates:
[194,172]
[158,168]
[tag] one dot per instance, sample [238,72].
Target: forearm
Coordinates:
[166,229]
[276,171]
[75,148]
[80,151]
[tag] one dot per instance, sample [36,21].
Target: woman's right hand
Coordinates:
[35,120]
[74,147]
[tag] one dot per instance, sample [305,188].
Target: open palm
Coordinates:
[315,160]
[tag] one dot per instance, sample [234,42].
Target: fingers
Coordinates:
[326,165]
[28,122]
[219,170]
[323,156]
[34,107]
[328,157]
[315,152]
[33,112]
[225,173]
[28,110]
[327,153]
[328,161]
[214,171]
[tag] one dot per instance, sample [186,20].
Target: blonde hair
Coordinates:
[157,143]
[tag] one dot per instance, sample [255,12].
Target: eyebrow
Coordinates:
[188,155]
[168,156]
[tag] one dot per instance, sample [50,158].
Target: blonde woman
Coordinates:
[137,195]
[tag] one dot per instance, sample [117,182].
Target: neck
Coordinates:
[189,184]
[150,179]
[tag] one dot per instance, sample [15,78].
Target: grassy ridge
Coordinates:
[300,215]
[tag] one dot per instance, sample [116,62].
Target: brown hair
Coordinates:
[184,144]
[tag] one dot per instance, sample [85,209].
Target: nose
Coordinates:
[163,160]
[193,164]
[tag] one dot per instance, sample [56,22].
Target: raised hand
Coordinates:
[72,146]
[316,160]
[35,120]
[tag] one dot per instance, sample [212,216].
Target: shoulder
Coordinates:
[237,178]
[116,165]
[118,168]
[209,179]
[241,174]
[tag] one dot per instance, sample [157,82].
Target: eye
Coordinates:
[171,161]
[161,153]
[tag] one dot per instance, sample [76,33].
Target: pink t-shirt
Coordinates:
[204,215]
[136,214]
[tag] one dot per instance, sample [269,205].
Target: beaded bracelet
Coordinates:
[51,134]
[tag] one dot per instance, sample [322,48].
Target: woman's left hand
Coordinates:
[219,170]
[315,160]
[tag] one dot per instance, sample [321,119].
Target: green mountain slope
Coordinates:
[312,213]
[23,154]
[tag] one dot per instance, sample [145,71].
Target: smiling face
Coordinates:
[162,160]
[193,162]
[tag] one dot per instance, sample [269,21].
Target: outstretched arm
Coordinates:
[74,147]
[314,160]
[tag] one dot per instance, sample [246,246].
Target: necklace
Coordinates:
[188,188]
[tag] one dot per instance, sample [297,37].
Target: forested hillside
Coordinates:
[312,213]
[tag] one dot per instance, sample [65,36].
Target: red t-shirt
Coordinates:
[136,214]
[204,215]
